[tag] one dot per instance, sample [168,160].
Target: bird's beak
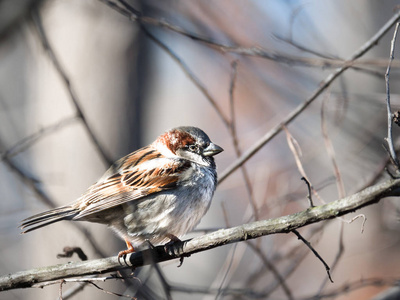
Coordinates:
[212,150]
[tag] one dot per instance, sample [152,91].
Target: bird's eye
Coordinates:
[192,148]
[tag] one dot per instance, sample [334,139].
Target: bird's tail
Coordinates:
[48,217]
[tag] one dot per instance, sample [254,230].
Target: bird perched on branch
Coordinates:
[157,193]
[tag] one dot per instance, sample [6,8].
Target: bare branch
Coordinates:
[315,253]
[215,239]
[111,293]
[322,87]
[136,16]
[389,139]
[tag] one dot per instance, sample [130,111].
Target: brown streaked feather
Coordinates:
[131,182]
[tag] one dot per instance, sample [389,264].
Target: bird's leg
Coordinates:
[125,252]
[151,246]
[173,238]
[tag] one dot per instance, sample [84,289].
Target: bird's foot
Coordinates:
[175,248]
[125,252]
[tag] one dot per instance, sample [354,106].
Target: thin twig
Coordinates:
[164,283]
[315,253]
[331,152]
[155,266]
[355,285]
[111,293]
[74,290]
[357,217]
[34,185]
[389,139]
[69,251]
[37,21]
[60,289]
[373,41]
[296,254]
[31,182]
[333,59]
[270,266]
[235,140]
[228,261]
[309,196]
[296,151]
[30,140]
[338,256]
[136,16]
[251,294]
[226,273]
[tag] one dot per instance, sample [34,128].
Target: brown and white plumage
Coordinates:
[156,193]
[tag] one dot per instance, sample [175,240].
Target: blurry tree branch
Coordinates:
[127,10]
[285,224]
[37,22]
[323,85]
[325,62]
[30,140]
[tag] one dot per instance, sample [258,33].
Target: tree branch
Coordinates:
[300,108]
[285,224]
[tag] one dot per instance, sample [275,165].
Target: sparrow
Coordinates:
[157,193]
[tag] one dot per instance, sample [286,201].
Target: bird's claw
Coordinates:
[175,248]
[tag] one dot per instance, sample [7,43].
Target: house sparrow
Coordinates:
[157,193]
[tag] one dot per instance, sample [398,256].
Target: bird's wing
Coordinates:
[132,177]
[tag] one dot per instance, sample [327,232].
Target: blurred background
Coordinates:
[76,73]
